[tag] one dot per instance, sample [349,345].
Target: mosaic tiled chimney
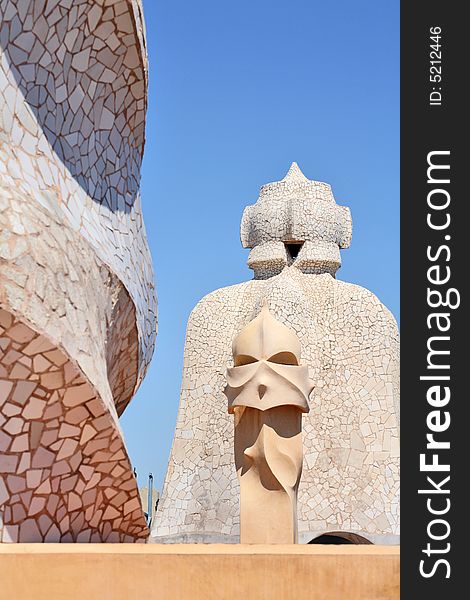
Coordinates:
[349,340]
[77,299]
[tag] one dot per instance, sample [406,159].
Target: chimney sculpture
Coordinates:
[267,392]
[350,344]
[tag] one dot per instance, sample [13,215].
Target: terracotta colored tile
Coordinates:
[87,434]
[44,488]
[23,390]
[8,463]
[13,426]
[29,531]
[67,430]
[52,503]
[53,535]
[25,462]
[67,449]
[35,434]
[64,526]
[5,389]
[96,407]
[21,333]
[19,513]
[10,410]
[34,409]
[42,458]
[16,484]
[40,364]
[110,513]
[48,437]
[52,381]
[77,394]
[19,371]
[74,502]
[61,467]
[56,356]
[6,319]
[76,415]
[53,411]
[36,505]
[20,443]
[10,357]
[44,523]
[37,346]
[33,478]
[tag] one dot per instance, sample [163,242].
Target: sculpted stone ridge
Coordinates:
[267,391]
[264,338]
[266,371]
[77,294]
[349,343]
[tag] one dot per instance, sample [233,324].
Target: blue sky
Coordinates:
[237,91]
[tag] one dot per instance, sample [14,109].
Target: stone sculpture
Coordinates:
[77,299]
[349,342]
[268,391]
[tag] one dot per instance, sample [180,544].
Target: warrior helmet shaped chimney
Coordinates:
[295,221]
[267,370]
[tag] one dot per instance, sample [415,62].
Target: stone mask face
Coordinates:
[266,371]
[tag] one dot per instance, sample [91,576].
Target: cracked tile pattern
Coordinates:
[75,268]
[64,471]
[350,342]
[73,91]
[295,210]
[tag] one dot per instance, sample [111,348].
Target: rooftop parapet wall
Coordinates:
[200,572]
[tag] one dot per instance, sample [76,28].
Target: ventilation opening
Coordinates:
[340,538]
[293,249]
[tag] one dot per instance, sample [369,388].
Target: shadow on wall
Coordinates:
[82,73]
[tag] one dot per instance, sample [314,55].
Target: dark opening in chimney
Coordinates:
[293,249]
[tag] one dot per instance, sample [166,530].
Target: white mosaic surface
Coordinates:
[295,209]
[349,340]
[75,269]
[73,97]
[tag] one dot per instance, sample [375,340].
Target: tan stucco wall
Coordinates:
[206,572]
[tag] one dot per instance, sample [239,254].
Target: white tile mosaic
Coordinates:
[349,340]
[78,318]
